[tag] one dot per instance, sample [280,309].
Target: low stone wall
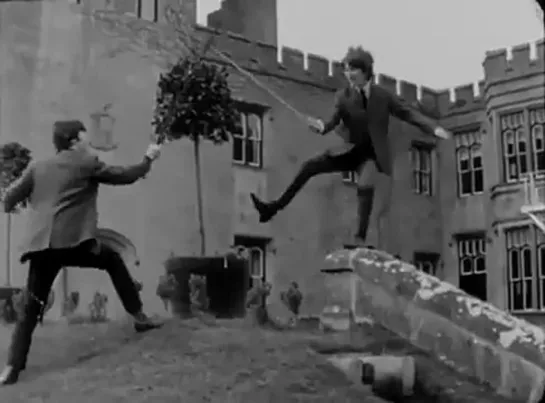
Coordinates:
[475,337]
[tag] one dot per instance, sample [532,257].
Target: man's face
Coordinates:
[355,76]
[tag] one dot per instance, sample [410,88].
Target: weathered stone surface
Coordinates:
[473,336]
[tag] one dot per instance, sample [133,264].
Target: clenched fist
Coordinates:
[153,152]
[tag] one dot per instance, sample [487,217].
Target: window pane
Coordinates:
[467,266]
[254,127]
[238,130]
[537,135]
[426,183]
[425,160]
[542,294]
[518,300]
[512,167]
[541,260]
[523,164]
[540,161]
[528,294]
[514,270]
[238,149]
[527,263]
[478,181]
[466,185]
[256,260]
[251,156]
[509,142]
[477,161]
[480,266]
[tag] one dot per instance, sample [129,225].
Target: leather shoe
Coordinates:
[9,375]
[266,211]
[143,324]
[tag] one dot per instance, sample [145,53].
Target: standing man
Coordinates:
[62,195]
[364,110]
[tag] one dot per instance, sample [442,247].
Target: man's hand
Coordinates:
[442,133]
[316,125]
[153,152]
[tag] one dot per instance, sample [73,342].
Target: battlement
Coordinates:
[309,69]
[499,66]
[294,64]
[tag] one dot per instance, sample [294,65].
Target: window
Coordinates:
[421,169]
[350,176]
[523,143]
[526,268]
[426,262]
[248,139]
[537,133]
[472,265]
[148,9]
[255,250]
[469,161]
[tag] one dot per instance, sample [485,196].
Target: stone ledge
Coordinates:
[472,336]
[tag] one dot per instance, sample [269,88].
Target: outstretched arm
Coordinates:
[400,109]
[20,190]
[125,175]
[120,175]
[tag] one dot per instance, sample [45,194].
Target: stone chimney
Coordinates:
[189,8]
[253,19]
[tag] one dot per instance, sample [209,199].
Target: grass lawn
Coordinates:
[194,361]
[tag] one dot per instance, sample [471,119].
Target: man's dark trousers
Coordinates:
[44,267]
[354,159]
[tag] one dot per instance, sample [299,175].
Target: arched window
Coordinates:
[469,163]
[421,162]
[523,139]
[472,265]
[248,140]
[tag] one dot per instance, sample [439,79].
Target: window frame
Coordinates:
[251,244]
[420,149]
[530,117]
[422,258]
[469,141]
[534,242]
[256,140]
[475,252]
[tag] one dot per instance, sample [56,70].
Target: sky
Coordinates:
[436,43]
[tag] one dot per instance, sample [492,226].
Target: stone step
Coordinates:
[472,336]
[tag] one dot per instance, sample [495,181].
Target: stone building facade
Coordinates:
[456,204]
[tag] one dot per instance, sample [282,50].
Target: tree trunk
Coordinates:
[196,149]
[8,249]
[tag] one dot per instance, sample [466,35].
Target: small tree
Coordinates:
[14,159]
[194,101]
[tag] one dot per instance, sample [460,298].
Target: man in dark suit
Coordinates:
[361,115]
[62,195]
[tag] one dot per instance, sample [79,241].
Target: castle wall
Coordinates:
[70,67]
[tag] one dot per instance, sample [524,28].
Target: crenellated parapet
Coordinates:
[497,66]
[309,69]
[294,64]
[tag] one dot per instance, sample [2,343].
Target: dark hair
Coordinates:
[359,58]
[65,133]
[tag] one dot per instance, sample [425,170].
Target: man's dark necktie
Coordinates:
[363,98]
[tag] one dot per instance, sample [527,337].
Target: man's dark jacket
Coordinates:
[358,123]
[62,195]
